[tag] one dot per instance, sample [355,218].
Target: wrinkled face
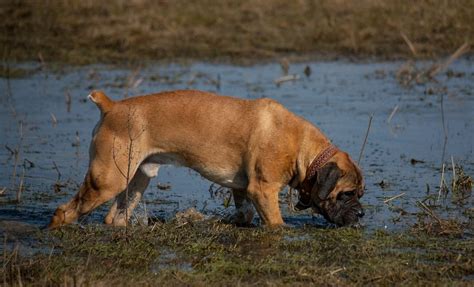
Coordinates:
[344,211]
[336,192]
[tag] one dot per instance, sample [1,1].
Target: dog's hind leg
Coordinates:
[121,210]
[244,211]
[92,193]
[124,208]
[106,177]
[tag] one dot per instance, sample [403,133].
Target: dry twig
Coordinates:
[442,184]
[395,109]
[20,186]
[17,154]
[436,68]
[130,155]
[54,120]
[68,102]
[287,78]
[409,43]
[454,174]
[365,139]
[393,197]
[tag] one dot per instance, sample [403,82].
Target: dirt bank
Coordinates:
[89,31]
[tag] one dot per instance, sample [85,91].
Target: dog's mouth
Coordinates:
[346,210]
[342,212]
[345,219]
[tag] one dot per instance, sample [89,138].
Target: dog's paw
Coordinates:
[240,219]
[58,219]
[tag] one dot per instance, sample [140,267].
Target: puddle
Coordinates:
[296,238]
[21,237]
[47,119]
[169,260]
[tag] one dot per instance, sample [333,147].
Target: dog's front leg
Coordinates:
[264,196]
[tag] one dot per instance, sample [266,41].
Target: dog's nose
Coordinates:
[360,213]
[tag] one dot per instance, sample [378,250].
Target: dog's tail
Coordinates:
[101,100]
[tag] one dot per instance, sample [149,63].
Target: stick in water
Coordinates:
[441,184]
[395,109]
[454,174]
[393,197]
[365,139]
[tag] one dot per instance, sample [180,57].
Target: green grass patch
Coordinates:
[210,252]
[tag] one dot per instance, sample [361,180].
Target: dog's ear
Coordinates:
[326,180]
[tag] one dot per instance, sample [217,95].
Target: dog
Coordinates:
[255,147]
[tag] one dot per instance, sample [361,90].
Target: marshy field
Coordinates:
[395,75]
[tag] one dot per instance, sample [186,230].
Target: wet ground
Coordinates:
[46,124]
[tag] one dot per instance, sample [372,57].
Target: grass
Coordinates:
[88,31]
[213,253]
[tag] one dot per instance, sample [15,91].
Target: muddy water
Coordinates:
[53,140]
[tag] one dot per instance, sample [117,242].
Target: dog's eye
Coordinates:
[346,194]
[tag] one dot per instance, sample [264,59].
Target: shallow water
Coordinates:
[338,97]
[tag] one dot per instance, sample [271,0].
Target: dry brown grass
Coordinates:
[87,31]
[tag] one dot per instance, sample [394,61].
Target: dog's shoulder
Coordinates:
[270,107]
[275,119]
[268,103]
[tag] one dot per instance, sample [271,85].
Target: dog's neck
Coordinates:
[320,160]
[312,145]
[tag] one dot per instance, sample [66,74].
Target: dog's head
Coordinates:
[335,191]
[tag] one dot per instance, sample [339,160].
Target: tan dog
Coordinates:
[255,147]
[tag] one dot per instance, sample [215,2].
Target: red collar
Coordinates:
[320,160]
[305,187]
